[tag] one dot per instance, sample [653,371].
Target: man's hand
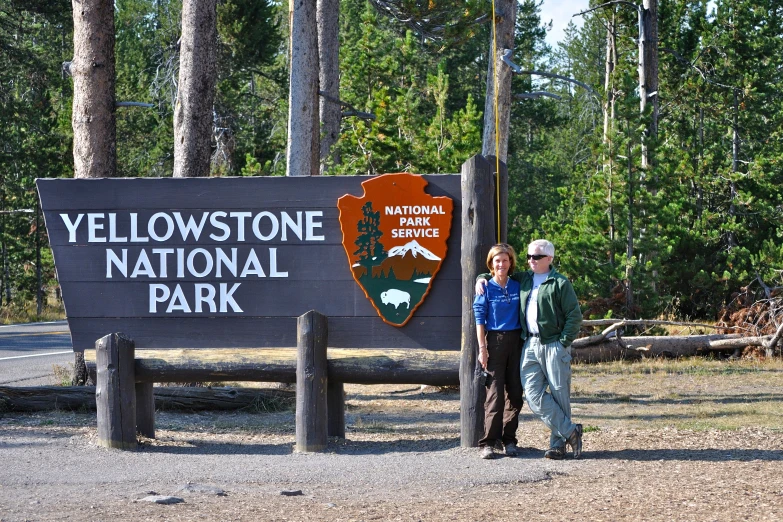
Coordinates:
[480,284]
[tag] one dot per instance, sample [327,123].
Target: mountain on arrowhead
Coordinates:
[408,261]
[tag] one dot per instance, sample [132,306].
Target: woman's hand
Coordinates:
[483,356]
[480,284]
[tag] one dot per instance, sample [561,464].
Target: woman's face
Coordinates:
[501,264]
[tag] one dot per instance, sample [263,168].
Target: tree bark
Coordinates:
[611,60]
[303,134]
[329,77]
[648,71]
[92,67]
[193,119]
[500,97]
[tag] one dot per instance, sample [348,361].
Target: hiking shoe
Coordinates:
[575,441]
[556,453]
[511,450]
[487,452]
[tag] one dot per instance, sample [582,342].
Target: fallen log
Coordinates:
[82,398]
[593,349]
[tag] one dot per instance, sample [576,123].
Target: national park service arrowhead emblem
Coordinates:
[395,238]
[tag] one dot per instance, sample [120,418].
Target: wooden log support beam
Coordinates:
[346,365]
[115,392]
[311,382]
[169,398]
[478,235]
[145,409]
[335,408]
[401,366]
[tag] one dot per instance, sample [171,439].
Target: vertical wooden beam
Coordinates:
[335,407]
[503,201]
[145,409]
[311,382]
[499,98]
[115,391]
[478,233]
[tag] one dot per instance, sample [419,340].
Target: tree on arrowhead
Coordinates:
[370,249]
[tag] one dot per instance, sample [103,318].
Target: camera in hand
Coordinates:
[485,378]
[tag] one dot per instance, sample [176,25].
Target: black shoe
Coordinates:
[575,441]
[556,453]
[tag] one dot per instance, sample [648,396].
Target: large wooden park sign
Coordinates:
[232,262]
[319,281]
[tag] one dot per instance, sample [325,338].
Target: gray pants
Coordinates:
[548,365]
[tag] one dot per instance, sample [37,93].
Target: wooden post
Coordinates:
[335,407]
[145,409]
[115,393]
[503,202]
[311,379]
[478,235]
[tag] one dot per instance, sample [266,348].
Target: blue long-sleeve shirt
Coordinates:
[498,309]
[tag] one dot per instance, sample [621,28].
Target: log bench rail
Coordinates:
[124,378]
[347,365]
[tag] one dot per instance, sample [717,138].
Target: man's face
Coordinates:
[541,265]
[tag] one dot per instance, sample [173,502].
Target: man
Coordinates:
[550,322]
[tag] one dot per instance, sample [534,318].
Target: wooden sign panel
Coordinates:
[395,239]
[228,262]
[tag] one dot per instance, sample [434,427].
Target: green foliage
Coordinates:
[35,118]
[677,238]
[421,124]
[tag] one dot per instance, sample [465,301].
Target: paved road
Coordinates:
[29,352]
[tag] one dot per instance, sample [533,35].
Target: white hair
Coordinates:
[546,246]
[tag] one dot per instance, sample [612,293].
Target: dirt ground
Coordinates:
[664,440]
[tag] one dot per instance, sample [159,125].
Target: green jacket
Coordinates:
[559,316]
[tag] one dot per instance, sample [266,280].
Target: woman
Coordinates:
[498,329]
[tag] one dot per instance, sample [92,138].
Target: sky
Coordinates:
[560,12]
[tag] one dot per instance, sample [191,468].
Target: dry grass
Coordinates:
[695,393]
[27,312]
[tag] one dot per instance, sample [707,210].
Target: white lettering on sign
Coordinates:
[415,221]
[412,210]
[164,226]
[176,300]
[195,260]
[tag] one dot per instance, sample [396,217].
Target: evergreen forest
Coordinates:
[673,219]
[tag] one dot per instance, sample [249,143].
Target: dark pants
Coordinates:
[504,394]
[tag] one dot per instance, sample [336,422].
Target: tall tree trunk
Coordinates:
[196,89]
[329,77]
[93,116]
[92,67]
[611,60]
[500,96]
[648,71]
[303,134]
[732,238]
[629,252]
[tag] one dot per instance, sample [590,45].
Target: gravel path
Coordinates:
[401,461]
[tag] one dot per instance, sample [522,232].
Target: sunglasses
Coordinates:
[537,257]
